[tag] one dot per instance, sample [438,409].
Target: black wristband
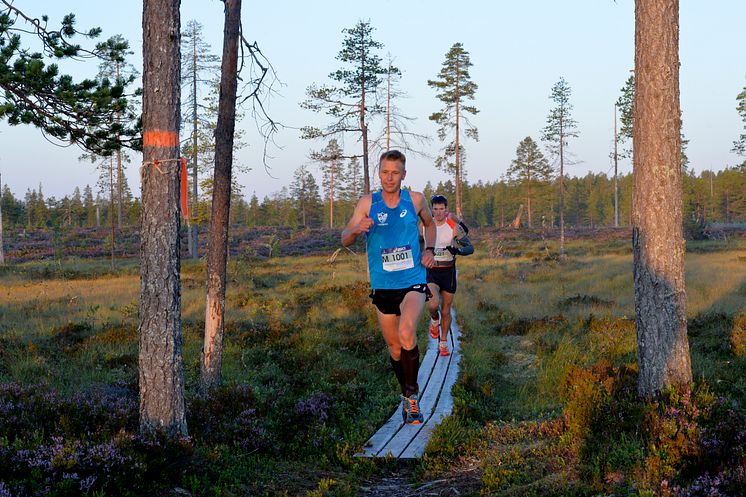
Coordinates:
[430,248]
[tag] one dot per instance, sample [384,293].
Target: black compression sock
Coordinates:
[399,371]
[410,361]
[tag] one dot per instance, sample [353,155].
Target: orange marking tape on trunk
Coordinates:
[160,138]
[184,198]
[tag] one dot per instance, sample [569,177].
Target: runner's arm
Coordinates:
[428,225]
[359,222]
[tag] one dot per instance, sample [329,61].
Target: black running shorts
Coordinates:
[388,301]
[444,277]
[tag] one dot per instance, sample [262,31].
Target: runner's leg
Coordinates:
[445,320]
[434,302]
[411,308]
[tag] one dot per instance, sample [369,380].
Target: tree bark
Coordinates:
[193,227]
[658,244]
[2,245]
[457,157]
[111,208]
[160,361]
[217,256]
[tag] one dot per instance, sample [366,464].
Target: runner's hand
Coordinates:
[428,258]
[364,225]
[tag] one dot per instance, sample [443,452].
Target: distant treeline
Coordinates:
[718,197]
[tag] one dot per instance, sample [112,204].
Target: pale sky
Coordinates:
[518,51]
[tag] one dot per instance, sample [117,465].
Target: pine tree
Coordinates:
[657,242]
[35,93]
[217,255]
[305,193]
[739,146]
[352,104]
[560,126]
[161,371]
[89,206]
[454,86]
[330,159]
[529,167]
[2,226]
[199,68]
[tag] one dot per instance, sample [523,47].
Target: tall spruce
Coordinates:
[160,360]
[305,193]
[739,146]
[217,256]
[199,68]
[330,159]
[560,127]
[529,168]
[116,68]
[352,104]
[454,87]
[657,241]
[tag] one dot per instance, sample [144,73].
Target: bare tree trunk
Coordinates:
[160,361]
[111,208]
[388,109]
[562,192]
[331,198]
[2,245]
[119,173]
[193,227]
[458,163]
[657,240]
[528,196]
[616,184]
[517,221]
[366,169]
[212,352]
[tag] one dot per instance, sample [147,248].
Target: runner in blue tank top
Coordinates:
[397,268]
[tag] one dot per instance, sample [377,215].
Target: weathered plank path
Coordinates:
[436,378]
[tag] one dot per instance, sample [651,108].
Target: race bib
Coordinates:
[397,259]
[442,254]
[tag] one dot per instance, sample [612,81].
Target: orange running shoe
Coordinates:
[434,329]
[443,348]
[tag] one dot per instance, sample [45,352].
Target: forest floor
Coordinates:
[545,404]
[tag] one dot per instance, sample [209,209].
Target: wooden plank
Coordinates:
[443,409]
[428,403]
[436,378]
[390,429]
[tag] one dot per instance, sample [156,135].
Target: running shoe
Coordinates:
[411,410]
[443,348]
[435,329]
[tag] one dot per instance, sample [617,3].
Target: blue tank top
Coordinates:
[394,255]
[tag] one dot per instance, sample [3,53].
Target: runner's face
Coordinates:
[391,174]
[439,212]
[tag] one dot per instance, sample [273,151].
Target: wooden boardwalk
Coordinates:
[436,378]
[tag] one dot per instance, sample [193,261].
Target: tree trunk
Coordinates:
[657,239]
[366,169]
[160,362]
[119,173]
[111,208]
[193,227]
[331,197]
[457,161]
[217,256]
[562,192]
[616,184]
[2,246]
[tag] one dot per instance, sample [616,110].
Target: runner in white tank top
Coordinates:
[451,240]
